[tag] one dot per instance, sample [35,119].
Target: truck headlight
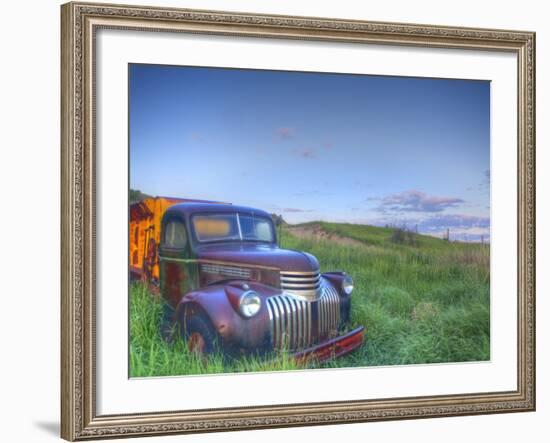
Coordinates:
[347,285]
[250,304]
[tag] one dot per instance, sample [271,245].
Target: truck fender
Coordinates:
[213,302]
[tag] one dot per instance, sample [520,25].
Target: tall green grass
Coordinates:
[150,355]
[427,303]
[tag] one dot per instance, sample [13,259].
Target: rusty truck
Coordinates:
[227,286]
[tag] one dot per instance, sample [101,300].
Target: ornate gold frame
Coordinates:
[79,420]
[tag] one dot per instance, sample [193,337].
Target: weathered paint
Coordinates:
[144,234]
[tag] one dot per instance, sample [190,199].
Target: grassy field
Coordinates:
[421,299]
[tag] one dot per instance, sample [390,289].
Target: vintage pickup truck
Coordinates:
[227,286]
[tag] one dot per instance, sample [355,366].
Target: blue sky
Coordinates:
[313,146]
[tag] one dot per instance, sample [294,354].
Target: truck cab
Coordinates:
[228,287]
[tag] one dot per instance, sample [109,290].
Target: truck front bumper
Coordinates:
[333,348]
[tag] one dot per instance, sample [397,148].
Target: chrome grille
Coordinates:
[291,323]
[228,271]
[302,284]
[329,311]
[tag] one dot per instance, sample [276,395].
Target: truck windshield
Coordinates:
[232,227]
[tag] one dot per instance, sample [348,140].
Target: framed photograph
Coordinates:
[277,221]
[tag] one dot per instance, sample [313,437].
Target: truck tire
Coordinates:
[167,325]
[201,336]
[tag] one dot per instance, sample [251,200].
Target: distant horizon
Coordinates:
[359,149]
[387,225]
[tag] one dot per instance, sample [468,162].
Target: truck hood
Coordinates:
[259,255]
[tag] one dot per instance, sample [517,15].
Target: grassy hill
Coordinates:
[421,299]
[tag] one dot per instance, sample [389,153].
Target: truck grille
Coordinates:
[304,284]
[227,271]
[328,317]
[291,319]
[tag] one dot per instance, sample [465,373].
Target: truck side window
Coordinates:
[175,235]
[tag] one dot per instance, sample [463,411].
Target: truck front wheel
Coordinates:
[200,335]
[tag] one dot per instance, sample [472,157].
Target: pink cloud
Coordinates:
[417,201]
[285,133]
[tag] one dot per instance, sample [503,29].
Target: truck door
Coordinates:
[175,263]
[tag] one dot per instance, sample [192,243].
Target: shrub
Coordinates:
[402,236]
